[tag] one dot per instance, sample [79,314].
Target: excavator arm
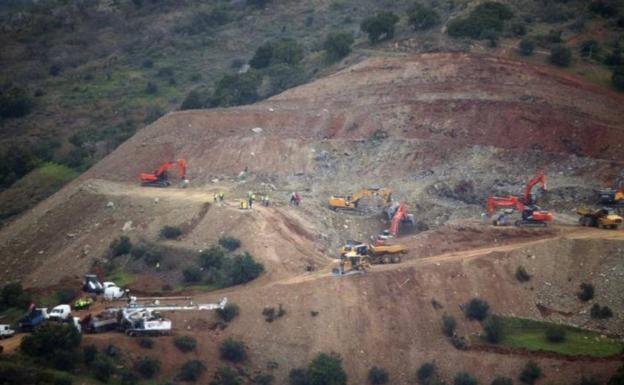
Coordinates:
[159,177]
[400,216]
[539,178]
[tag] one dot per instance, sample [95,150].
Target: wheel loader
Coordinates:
[605,218]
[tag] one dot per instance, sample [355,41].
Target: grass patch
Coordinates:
[121,277]
[531,335]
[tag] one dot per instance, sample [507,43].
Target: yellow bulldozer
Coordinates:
[351,202]
[605,218]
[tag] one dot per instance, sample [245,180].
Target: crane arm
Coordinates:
[539,178]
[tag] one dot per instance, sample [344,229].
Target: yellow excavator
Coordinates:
[351,202]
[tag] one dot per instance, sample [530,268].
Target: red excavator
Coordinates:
[400,216]
[160,178]
[532,215]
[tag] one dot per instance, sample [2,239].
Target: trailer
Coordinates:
[103,322]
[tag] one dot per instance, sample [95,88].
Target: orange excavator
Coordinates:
[399,215]
[532,215]
[160,178]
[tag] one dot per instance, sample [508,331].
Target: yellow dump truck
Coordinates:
[376,254]
[605,218]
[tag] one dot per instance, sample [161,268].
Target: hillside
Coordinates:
[443,131]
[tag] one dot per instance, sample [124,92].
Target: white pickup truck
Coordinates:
[60,313]
[6,331]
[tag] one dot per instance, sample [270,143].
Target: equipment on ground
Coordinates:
[83,303]
[351,202]
[529,198]
[377,254]
[6,331]
[92,285]
[397,213]
[605,218]
[160,178]
[60,313]
[353,264]
[34,318]
[112,291]
[106,321]
[614,195]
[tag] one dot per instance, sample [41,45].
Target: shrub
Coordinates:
[587,292]
[463,378]
[50,338]
[618,78]
[65,360]
[170,232]
[102,368]
[421,17]
[298,376]
[283,51]
[285,76]
[502,381]
[326,369]
[560,56]
[604,8]
[264,379]
[89,353]
[615,58]
[66,294]
[242,269]
[522,275]
[151,88]
[229,312]
[146,343]
[236,89]
[448,325]
[227,376]
[530,373]
[185,343]
[191,370]
[337,45]
[211,258]
[153,113]
[477,309]
[193,101]
[377,376]
[493,329]
[138,250]
[148,367]
[229,243]
[554,13]
[55,69]
[15,103]
[555,333]
[128,378]
[271,315]
[488,16]
[192,274]
[601,312]
[233,350]
[589,49]
[518,29]
[379,27]
[618,377]
[120,246]
[425,372]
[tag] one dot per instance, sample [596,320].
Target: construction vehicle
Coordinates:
[398,215]
[377,254]
[106,321]
[60,313]
[615,194]
[6,331]
[83,303]
[34,318]
[160,177]
[605,218]
[92,285]
[352,264]
[531,214]
[351,202]
[112,291]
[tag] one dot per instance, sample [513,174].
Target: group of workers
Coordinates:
[295,199]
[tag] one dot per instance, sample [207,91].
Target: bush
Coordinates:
[66,294]
[618,78]
[463,378]
[326,369]
[146,343]
[555,333]
[170,232]
[55,69]
[229,312]
[421,17]
[493,329]
[284,51]
[228,376]
[148,367]
[192,274]
[604,8]
[151,88]
[502,381]
[15,103]
[560,56]
[448,325]
[425,373]
[530,373]
[229,243]
[120,246]
[337,45]
[65,360]
[522,275]
[271,315]
[242,269]
[488,16]
[193,101]
[11,294]
[89,353]
[285,76]
[377,376]
[298,376]
[211,258]
[601,312]
[233,350]
[589,49]
[153,113]
[587,292]
[128,378]
[185,343]
[49,339]
[103,368]
[379,27]
[477,309]
[236,89]
[518,29]
[191,370]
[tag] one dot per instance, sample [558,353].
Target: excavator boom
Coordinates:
[351,202]
[539,178]
[159,177]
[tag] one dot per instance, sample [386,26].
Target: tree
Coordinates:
[193,101]
[191,370]
[229,243]
[103,368]
[493,329]
[379,27]
[285,76]
[587,292]
[170,232]
[120,246]
[185,343]
[242,269]
[192,274]
[463,378]
[15,103]
[326,369]
[337,45]
[50,338]
[477,309]
[233,350]
[298,376]
[560,56]
[530,373]
[589,49]
[604,8]
[555,333]
[522,275]
[236,89]
[421,17]
[425,372]
[148,367]
[378,376]
[227,376]
[600,312]
[229,312]
[211,258]
[618,78]
[285,51]
[89,353]
[487,16]
[448,325]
